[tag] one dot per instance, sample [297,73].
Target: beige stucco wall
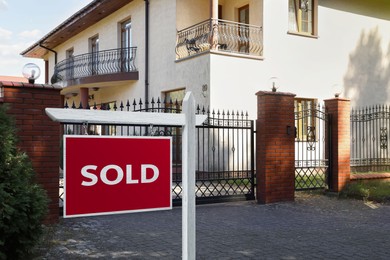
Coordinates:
[310,67]
[230,10]
[162,44]
[190,12]
[352,50]
[192,74]
[108,31]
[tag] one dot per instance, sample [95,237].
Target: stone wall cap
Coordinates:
[271,93]
[337,99]
[14,84]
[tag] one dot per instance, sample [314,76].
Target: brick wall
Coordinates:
[38,135]
[275,147]
[339,110]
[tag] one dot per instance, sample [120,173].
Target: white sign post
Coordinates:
[188,121]
[188,180]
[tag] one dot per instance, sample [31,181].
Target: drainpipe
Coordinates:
[146,53]
[55,55]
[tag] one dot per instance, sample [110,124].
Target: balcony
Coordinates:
[102,66]
[220,36]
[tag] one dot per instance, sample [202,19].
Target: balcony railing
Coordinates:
[97,63]
[222,36]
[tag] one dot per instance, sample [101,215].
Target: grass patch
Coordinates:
[375,190]
[309,181]
[245,182]
[370,172]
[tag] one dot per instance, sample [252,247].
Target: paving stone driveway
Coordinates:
[312,227]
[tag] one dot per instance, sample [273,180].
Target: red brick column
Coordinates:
[339,110]
[275,147]
[38,135]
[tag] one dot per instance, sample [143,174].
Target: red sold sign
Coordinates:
[104,175]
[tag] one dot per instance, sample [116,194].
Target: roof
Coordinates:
[78,22]
[13,78]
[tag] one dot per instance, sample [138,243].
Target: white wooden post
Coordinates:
[188,120]
[188,180]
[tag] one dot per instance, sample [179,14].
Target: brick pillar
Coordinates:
[38,135]
[339,110]
[275,147]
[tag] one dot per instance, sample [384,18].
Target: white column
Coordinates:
[214,9]
[188,180]
[214,23]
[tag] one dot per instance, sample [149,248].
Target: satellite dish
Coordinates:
[31,71]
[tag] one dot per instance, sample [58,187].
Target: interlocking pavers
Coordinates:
[312,227]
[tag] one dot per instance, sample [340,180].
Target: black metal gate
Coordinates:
[225,158]
[312,145]
[225,167]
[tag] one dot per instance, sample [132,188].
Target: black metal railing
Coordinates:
[220,35]
[225,167]
[98,63]
[370,139]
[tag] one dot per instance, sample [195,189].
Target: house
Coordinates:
[224,51]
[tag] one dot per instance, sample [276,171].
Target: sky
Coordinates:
[23,23]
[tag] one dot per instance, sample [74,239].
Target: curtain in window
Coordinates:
[301,16]
[292,16]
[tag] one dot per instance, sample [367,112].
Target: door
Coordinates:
[312,144]
[70,64]
[243,29]
[126,54]
[94,46]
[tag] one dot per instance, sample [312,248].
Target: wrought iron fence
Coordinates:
[370,139]
[225,167]
[96,63]
[221,35]
[311,141]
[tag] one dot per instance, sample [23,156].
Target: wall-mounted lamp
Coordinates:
[204,90]
[95,89]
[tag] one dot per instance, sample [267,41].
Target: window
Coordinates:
[94,49]
[303,17]
[125,38]
[126,34]
[69,64]
[175,95]
[305,119]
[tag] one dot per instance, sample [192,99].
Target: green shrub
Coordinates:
[23,204]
